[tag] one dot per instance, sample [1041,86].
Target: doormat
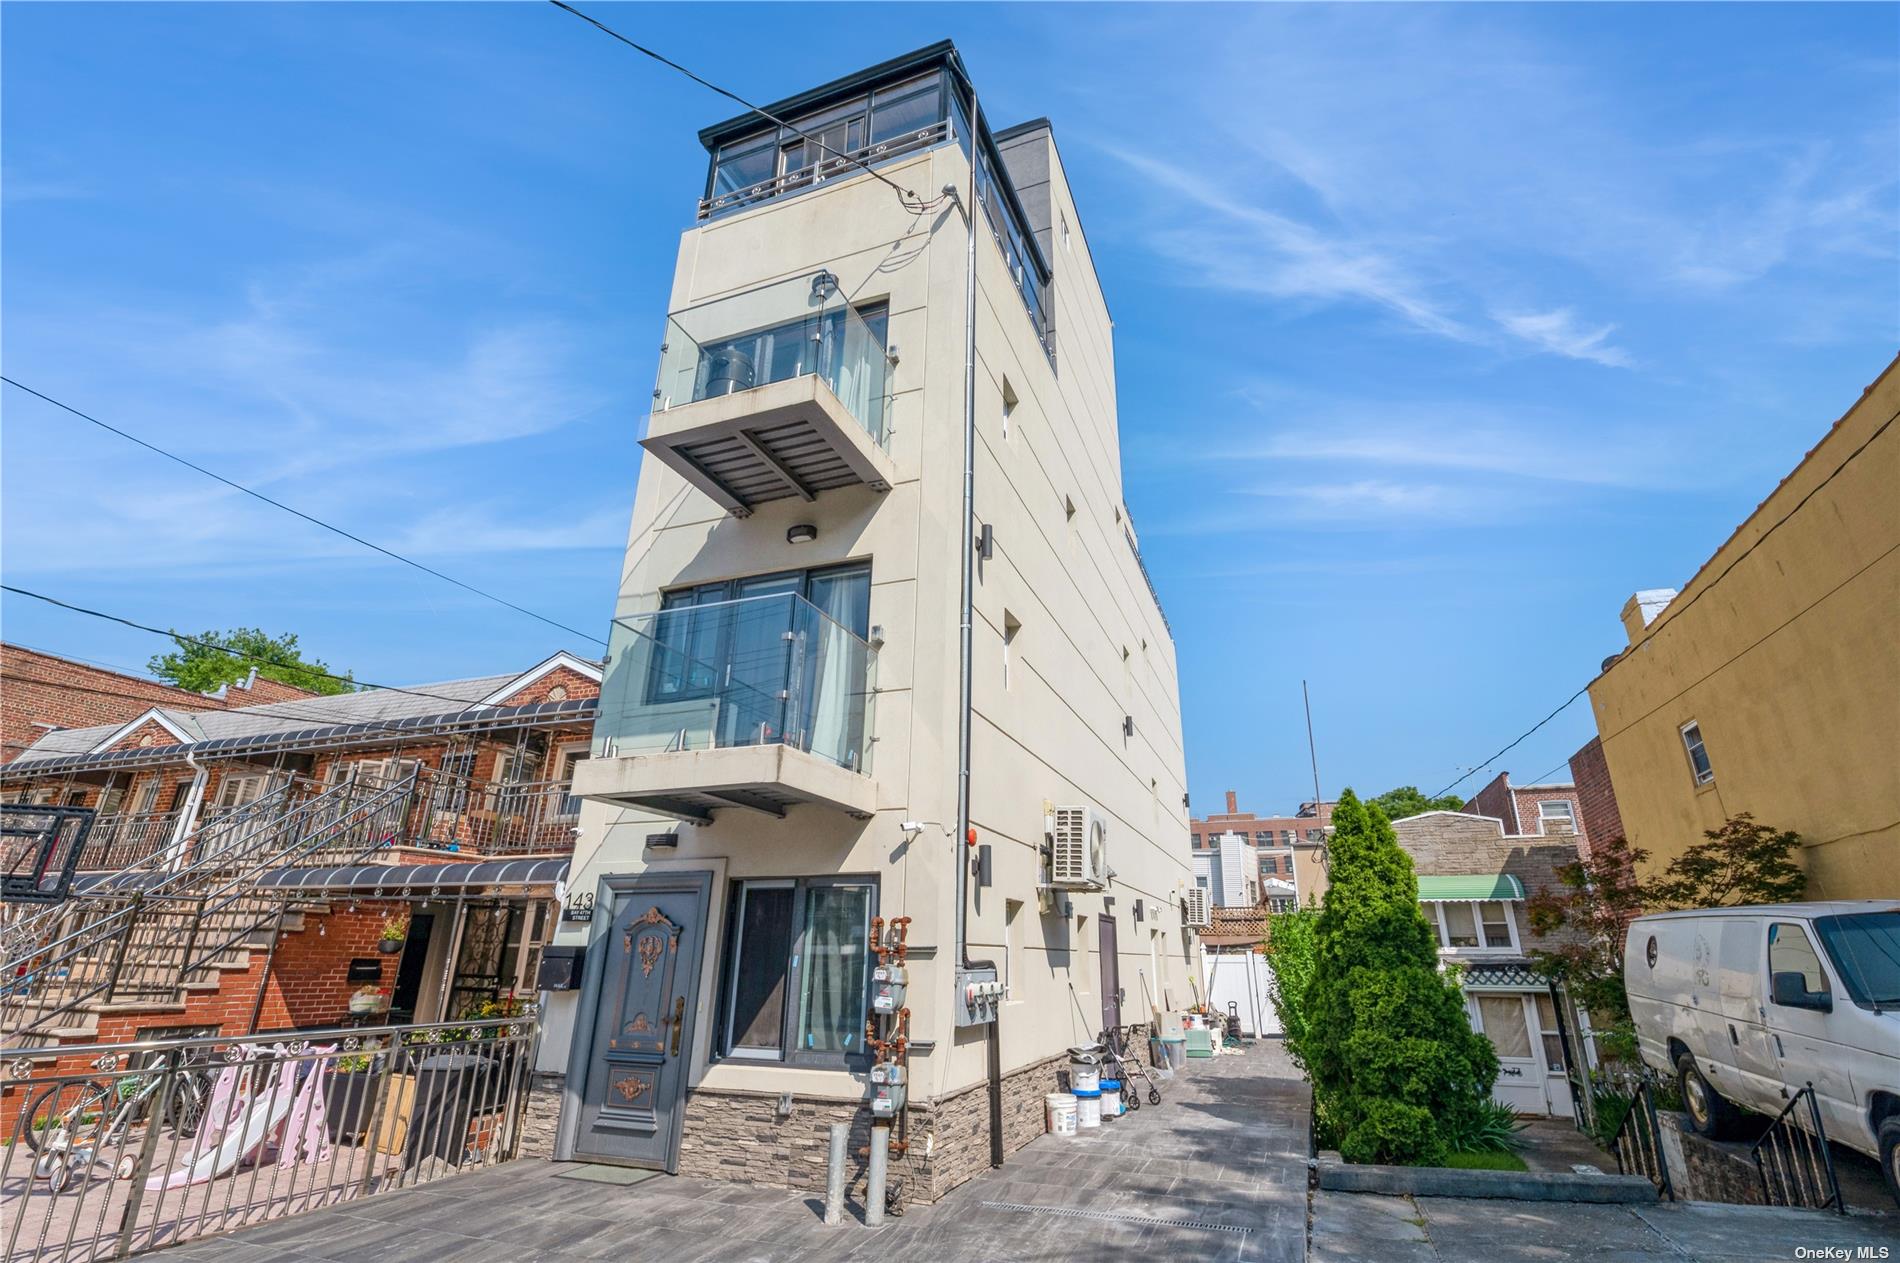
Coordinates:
[598,1174]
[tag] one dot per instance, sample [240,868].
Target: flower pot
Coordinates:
[389,947]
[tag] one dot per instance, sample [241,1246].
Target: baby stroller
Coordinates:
[1127,1070]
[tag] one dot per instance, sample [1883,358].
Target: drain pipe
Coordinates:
[965,640]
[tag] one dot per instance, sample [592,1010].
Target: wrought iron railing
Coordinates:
[123,838]
[1793,1159]
[148,934]
[1637,1143]
[155,1143]
[495,817]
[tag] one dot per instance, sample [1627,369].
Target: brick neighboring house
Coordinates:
[446,810]
[43,692]
[1273,837]
[1601,820]
[1530,810]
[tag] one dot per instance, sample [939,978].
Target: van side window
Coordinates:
[1790,952]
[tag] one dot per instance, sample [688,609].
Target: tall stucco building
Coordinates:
[886,668]
[1770,683]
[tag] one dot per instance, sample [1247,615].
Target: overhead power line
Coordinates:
[908,197]
[252,658]
[1676,610]
[299,513]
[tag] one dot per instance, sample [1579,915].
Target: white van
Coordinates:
[1745,1006]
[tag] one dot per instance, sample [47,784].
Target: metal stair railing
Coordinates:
[146,940]
[1794,1161]
[162,869]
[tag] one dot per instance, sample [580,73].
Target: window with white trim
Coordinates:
[1557,811]
[1699,765]
[1468,925]
[797,976]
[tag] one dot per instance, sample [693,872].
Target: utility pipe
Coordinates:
[965,634]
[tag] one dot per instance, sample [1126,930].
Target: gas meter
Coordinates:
[888,1092]
[887,988]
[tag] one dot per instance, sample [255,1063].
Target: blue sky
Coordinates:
[1440,330]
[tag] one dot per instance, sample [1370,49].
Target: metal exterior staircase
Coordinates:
[146,933]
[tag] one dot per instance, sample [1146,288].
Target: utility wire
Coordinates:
[314,521]
[907,196]
[224,649]
[1675,610]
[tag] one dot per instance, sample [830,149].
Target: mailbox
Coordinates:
[560,968]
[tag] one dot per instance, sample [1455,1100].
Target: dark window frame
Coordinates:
[788,1052]
[690,595]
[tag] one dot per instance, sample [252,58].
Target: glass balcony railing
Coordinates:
[789,329]
[763,670]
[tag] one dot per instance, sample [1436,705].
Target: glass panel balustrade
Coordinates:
[777,332]
[764,670]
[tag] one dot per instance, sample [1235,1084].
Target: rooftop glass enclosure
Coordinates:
[759,670]
[870,123]
[793,328]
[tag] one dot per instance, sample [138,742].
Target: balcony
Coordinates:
[776,393]
[763,703]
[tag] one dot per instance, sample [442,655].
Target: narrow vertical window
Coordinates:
[1699,763]
[1011,626]
[761,955]
[1013,937]
[1009,406]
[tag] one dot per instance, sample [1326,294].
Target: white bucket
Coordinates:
[1111,1098]
[1060,1107]
[1088,1109]
[1084,1077]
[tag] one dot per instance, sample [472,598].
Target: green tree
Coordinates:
[1396,1068]
[1405,801]
[1587,918]
[196,663]
[1290,953]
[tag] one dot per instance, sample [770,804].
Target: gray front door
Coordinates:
[630,1104]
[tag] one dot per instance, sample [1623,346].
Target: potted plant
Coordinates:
[395,933]
[348,1095]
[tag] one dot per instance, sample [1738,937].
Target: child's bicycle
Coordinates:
[69,1126]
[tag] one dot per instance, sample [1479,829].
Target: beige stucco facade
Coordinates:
[1784,651]
[1081,706]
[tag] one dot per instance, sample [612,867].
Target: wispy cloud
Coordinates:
[1558,332]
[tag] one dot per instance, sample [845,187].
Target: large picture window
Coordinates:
[797,973]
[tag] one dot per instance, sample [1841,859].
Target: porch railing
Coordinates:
[1793,1159]
[156,1143]
[123,838]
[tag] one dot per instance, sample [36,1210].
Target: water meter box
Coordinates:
[888,984]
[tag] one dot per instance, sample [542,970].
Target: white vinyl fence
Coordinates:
[1240,979]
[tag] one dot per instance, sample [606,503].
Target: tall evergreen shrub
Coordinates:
[1387,1043]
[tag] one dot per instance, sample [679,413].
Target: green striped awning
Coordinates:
[1453,889]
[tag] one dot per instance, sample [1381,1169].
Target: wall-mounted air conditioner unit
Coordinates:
[1078,838]
[1196,907]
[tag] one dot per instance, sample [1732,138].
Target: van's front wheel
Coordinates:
[1889,1138]
[1709,1114]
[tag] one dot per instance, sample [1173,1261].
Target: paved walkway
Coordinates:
[1358,1226]
[1217,1171]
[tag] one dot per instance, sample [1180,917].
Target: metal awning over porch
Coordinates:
[403,880]
[1469,889]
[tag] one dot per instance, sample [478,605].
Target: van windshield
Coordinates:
[1865,947]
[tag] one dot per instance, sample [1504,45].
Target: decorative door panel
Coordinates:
[636,1076]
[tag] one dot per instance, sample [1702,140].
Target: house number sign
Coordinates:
[579,906]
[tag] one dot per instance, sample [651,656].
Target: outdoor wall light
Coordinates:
[823,286]
[803,533]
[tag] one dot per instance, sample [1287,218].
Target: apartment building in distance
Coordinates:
[1770,682]
[888,685]
[1273,837]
